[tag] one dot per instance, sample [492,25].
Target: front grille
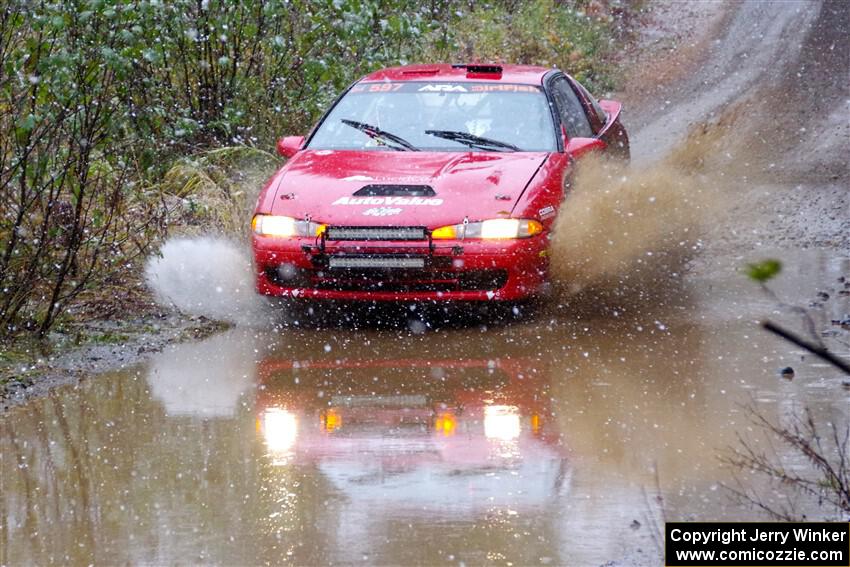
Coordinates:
[375,233]
[437,275]
[399,283]
[410,280]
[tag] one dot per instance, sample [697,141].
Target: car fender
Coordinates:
[545,191]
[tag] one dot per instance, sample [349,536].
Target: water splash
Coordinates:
[207,276]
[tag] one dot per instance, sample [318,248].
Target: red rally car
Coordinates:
[429,183]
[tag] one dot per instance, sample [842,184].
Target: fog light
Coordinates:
[287,272]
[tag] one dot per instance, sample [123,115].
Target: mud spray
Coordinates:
[630,230]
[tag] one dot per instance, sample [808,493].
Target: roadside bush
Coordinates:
[67,180]
[222,72]
[802,459]
[539,32]
[215,192]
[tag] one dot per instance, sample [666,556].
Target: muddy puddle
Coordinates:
[567,438]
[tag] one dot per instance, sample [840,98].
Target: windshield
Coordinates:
[439,117]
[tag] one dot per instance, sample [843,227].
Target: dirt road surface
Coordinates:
[567,437]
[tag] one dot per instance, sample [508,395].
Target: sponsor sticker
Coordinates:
[381,211]
[390,201]
[443,88]
[508,88]
[546,212]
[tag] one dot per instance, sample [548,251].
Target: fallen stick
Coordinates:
[818,351]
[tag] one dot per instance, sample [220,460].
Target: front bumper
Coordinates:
[461,270]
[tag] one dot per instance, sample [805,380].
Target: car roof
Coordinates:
[522,74]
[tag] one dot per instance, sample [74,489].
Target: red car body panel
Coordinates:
[459,179]
[319,185]
[526,258]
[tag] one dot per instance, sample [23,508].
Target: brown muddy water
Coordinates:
[567,438]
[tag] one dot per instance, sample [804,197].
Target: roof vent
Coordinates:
[395,191]
[480,70]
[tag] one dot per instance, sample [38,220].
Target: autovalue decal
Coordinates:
[418,201]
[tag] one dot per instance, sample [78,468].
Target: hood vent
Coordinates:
[395,191]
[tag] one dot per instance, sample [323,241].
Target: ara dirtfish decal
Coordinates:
[546,212]
[381,211]
[385,87]
[395,201]
[442,88]
[389,178]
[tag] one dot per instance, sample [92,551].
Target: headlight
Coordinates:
[272,225]
[280,429]
[501,422]
[493,228]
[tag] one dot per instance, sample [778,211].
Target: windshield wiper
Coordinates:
[398,142]
[472,140]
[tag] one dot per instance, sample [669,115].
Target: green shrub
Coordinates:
[539,32]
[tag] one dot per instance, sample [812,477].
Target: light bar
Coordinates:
[371,262]
[401,400]
[375,233]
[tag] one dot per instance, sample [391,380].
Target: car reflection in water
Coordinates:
[418,436]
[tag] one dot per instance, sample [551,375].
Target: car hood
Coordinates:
[322,184]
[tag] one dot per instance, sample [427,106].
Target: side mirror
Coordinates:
[577,147]
[288,146]
[612,108]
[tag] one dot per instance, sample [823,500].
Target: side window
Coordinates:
[570,110]
[600,114]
